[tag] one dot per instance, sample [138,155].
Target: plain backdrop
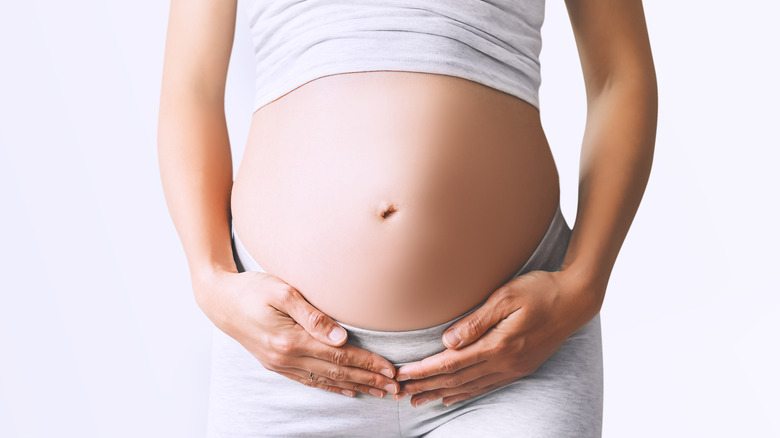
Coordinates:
[100,335]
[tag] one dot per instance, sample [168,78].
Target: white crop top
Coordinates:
[496,43]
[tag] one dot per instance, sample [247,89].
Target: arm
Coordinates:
[266,315]
[193,147]
[617,153]
[619,140]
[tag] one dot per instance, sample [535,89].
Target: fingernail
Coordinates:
[347,393]
[422,401]
[390,388]
[402,377]
[388,372]
[452,338]
[337,334]
[399,396]
[376,393]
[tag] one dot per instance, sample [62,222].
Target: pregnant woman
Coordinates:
[392,259]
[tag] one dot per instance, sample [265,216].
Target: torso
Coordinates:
[394,200]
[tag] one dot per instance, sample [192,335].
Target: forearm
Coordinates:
[616,159]
[197,176]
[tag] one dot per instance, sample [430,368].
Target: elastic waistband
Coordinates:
[549,253]
[403,346]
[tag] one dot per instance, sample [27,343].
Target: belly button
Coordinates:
[386,210]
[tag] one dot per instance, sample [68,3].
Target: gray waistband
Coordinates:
[550,251]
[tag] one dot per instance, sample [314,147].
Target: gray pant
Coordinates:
[563,398]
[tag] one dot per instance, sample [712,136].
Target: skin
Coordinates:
[268,316]
[523,322]
[451,171]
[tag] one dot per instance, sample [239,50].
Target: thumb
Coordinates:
[469,328]
[317,324]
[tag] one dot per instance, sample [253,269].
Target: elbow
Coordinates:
[640,80]
[635,88]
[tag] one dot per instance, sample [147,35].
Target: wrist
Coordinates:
[210,273]
[586,289]
[209,286]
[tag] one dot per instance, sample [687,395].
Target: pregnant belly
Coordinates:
[394,200]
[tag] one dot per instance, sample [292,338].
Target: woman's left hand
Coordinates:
[510,336]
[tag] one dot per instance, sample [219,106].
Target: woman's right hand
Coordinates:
[289,336]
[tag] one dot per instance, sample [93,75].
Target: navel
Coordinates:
[386,209]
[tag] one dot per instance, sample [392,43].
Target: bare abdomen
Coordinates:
[394,200]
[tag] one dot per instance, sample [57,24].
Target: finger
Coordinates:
[315,384]
[469,328]
[446,362]
[340,373]
[352,356]
[450,400]
[321,381]
[458,379]
[472,389]
[316,323]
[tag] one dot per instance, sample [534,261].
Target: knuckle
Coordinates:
[276,360]
[374,381]
[316,320]
[472,387]
[411,389]
[503,297]
[521,343]
[286,295]
[448,366]
[453,382]
[499,347]
[283,361]
[279,294]
[340,357]
[284,345]
[423,374]
[368,363]
[335,373]
[474,326]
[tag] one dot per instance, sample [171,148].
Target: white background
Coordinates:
[100,335]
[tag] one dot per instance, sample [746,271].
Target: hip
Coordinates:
[563,397]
